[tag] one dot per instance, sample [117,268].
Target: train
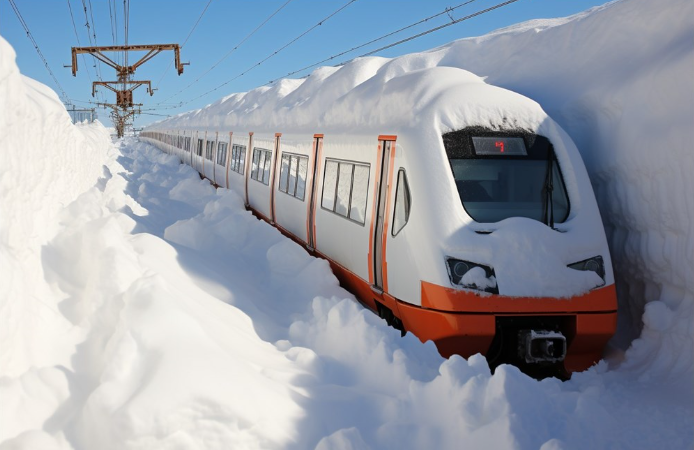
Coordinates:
[456,210]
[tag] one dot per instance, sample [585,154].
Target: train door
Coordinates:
[386,149]
[310,223]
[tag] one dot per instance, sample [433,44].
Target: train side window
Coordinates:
[345,189]
[268,166]
[284,172]
[293,175]
[238,158]
[291,183]
[329,183]
[222,153]
[242,158]
[301,178]
[209,150]
[403,200]
[199,149]
[360,191]
[262,160]
[344,185]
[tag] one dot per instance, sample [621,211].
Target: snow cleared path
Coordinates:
[205,328]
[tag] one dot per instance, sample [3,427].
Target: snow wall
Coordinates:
[45,163]
[617,78]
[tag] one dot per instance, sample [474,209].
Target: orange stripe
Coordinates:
[454,300]
[228,158]
[384,238]
[274,174]
[315,200]
[249,158]
[374,212]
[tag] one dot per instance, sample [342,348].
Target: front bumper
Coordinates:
[465,323]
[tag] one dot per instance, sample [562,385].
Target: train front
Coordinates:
[522,271]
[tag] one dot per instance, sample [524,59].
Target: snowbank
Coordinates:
[132,317]
[617,78]
[45,162]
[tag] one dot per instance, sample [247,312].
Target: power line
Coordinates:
[462,19]
[272,54]
[74,26]
[38,50]
[445,11]
[97,70]
[228,53]
[184,42]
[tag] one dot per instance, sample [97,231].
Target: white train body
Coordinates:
[432,150]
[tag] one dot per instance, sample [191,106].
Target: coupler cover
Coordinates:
[541,346]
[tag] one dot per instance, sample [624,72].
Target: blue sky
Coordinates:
[224,25]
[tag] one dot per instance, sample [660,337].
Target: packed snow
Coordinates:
[142,308]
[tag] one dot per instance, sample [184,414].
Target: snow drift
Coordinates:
[617,79]
[131,318]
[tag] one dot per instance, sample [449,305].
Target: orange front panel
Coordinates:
[448,299]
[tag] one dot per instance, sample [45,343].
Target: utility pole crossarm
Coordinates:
[151,49]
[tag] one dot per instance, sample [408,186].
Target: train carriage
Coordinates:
[454,209]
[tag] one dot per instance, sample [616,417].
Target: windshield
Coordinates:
[499,177]
[492,190]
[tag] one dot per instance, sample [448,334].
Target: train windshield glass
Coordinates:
[496,189]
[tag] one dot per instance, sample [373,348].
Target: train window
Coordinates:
[222,153]
[301,178]
[344,185]
[360,191]
[262,162]
[238,158]
[401,213]
[329,182]
[209,150]
[199,149]
[293,175]
[284,172]
[345,189]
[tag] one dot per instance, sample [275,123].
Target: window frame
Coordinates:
[260,172]
[224,152]
[395,203]
[298,157]
[351,188]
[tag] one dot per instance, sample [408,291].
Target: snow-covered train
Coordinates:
[456,210]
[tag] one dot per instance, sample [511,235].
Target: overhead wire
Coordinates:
[270,55]
[228,53]
[453,22]
[38,50]
[168,67]
[97,66]
[445,11]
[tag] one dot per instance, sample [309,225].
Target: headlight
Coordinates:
[594,264]
[471,275]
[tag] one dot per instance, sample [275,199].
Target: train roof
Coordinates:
[373,94]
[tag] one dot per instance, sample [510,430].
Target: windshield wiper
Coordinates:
[549,188]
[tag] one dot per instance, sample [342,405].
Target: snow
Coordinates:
[142,308]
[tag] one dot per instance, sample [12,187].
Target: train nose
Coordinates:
[538,346]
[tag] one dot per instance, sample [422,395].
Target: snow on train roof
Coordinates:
[374,94]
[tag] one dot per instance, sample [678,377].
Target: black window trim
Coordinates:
[351,188]
[296,182]
[395,203]
[261,170]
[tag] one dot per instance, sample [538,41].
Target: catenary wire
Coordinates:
[38,50]
[168,67]
[270,55]
[446,11]
[228,53]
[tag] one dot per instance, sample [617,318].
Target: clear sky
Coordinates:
[225,25]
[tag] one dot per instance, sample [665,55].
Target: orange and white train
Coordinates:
[469,225]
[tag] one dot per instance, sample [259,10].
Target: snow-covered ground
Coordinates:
[142,308]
